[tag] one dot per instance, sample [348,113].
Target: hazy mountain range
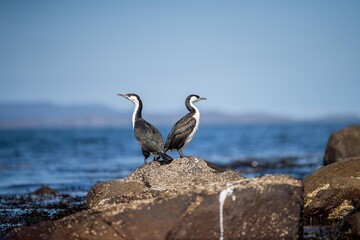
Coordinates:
[38,115]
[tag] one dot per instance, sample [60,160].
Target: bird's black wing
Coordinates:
[148,136]
[179,133]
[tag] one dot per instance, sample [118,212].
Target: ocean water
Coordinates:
[72,160]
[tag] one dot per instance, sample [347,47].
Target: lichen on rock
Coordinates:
[340,211]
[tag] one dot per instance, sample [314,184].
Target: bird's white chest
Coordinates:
[134,113]
[192,134]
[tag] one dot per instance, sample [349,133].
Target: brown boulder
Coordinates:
[45,190]
[332,192]
[261,208]
[343,144]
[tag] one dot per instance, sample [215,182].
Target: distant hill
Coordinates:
[17,115]
[48,115]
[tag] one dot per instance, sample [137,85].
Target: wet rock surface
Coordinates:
[343,144]
[353,222]
[295,166]
[186,199]
[36,207]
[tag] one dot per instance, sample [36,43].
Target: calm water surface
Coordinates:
[73,160]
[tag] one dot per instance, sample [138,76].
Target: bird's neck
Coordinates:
[137,112]
[191,107]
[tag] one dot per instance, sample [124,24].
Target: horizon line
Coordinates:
[243,113]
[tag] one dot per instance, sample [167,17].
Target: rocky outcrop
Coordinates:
[187,199]
[154,180]
[343,144]
[332,192]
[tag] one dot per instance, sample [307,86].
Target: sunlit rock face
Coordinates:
[332,192]
[186,199]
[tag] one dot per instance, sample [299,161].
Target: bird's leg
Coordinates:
[146,155]
[181,154]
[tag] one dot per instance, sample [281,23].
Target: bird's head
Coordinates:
[194,98]
[131,97]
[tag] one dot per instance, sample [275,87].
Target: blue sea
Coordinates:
[72,160]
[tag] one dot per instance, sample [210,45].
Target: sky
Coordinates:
[295,58]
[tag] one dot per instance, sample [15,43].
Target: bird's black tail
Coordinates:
[166,157]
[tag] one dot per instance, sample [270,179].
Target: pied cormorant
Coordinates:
[184,130]
[147,135]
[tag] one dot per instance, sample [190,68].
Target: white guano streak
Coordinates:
[222,197]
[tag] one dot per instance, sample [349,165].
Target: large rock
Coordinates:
[332,192]
[269,207]
[343,144]
[186,199]
[160,181]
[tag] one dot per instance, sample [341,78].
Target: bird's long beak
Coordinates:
[123,95]
[199,99]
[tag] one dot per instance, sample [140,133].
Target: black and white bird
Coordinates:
[147,135]
[184,130]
